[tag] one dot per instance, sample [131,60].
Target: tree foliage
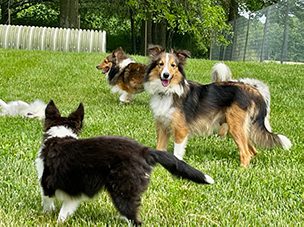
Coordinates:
[190,24]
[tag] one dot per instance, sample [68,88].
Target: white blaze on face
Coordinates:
[166,68]
[165,74]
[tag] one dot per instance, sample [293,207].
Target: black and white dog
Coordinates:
[72,169]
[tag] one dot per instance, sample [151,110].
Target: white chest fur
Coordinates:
[162,107]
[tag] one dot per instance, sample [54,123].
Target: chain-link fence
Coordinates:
[275,33]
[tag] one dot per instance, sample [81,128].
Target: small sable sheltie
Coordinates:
[72,169]
[184,107]
[124,75]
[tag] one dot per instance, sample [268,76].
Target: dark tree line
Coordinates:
[134,23]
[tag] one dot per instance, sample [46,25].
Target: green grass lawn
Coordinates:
[269,192]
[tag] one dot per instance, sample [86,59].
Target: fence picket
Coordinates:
[56,39]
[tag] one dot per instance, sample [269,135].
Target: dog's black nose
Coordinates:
[97,66]
[166,75]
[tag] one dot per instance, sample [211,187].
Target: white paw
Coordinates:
[126,98]
[61,219]
[48,207]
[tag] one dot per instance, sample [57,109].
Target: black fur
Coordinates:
[120,165]
[202,99]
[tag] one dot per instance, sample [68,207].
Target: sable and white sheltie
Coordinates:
[72,169]
[124,75]
[184,107]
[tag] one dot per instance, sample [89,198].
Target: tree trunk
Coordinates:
[132,31]
[69,14]
[163,33]
[154,34]
[4,12]
[233,10]
[149,30]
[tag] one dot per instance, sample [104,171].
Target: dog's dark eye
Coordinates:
[173,65]
[161,64]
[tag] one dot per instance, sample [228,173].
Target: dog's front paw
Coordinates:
[48,207]
[48,204]
[61,219]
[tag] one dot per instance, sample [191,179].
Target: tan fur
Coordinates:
[129,79]
[223,128]
[233,119]
[105,65]
[163,135]
[179,126]
[171,100]
[237,120]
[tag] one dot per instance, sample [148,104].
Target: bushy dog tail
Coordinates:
[264,91]
[177,167]
[261,135]
[220,72]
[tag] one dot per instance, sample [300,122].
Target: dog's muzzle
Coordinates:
[165,79]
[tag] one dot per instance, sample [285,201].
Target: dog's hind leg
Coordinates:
[127,205]
[223,130]
[252,149]
[163,135]
[237,120]
[69,206]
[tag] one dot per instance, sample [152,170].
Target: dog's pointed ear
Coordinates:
[51,111]
[155,50]
[78,114]
[118,52]
[182,55]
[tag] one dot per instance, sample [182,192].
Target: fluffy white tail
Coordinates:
[220,72]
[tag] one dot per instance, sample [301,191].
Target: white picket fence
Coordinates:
[55,39]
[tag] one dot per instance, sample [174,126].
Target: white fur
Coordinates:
[285,142]
[156,87]
[47,202]
[179,149]
[61,132]
[209,179]
[13,108]
[124,97]
[162,108]
[220,72]
[166,68]
[124,63]
[35,109]
[68,208]
[116,89]
[69,204]
[264,91]
[39,164]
